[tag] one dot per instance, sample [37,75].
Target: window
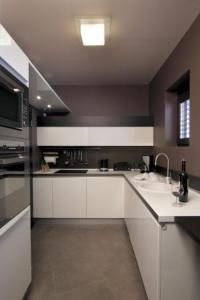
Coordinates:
[181,95]
[184,118]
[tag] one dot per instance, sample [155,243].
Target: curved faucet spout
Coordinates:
[167,158]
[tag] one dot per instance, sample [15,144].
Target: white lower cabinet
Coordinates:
[168,258]
[144,234]
[42,197]
[59,197]
[78,197]
[69,197]
[15,257]
[166,255]
[105,197]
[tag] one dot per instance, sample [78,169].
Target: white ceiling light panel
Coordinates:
[94,31]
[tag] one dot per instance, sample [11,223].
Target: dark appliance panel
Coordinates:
[14,112]
[14,180]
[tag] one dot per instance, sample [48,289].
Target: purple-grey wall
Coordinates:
[105,105]
[185,57]
[106,100]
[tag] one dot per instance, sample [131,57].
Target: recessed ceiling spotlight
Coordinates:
[94,31]
[38,97]
[16,90]
[49,106]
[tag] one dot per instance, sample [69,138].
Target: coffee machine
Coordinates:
[148,161]
[103,165]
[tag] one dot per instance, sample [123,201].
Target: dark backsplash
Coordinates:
[95,154]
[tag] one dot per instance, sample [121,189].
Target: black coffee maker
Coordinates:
[103,166]
[148,163]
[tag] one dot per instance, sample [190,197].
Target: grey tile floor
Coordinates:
[79,262]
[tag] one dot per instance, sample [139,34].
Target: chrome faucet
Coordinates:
[168,179]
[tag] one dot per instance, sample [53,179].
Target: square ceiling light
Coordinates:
[94,32]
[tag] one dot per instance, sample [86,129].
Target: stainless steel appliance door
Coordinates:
[14,187]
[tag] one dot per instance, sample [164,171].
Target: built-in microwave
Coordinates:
[13,101]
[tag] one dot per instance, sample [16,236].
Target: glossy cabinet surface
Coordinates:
[69,197]
[13,56]
[105,197]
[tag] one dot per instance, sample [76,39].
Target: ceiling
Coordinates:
[143,34]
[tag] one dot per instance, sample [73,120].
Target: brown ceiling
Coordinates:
[143,34]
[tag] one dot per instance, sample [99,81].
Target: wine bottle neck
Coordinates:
[183,166]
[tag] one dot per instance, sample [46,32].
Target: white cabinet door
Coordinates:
[15,257]
[12,55]
[62,136]
[180,264]
[42,197]
[105,197]
[69,197]
[120,136]
[144,234]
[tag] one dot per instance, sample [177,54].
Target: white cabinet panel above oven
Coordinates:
[13,56]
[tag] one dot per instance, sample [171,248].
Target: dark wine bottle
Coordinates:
[183,192]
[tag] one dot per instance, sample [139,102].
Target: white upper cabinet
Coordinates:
[62,136]
[95,136]
[13,57]
[120,136]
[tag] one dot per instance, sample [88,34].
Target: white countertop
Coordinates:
[161,203]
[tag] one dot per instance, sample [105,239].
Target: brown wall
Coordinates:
[185,57]
[106,100]
[104,106]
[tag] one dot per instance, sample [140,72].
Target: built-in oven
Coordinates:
[13,101]
[14,179]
